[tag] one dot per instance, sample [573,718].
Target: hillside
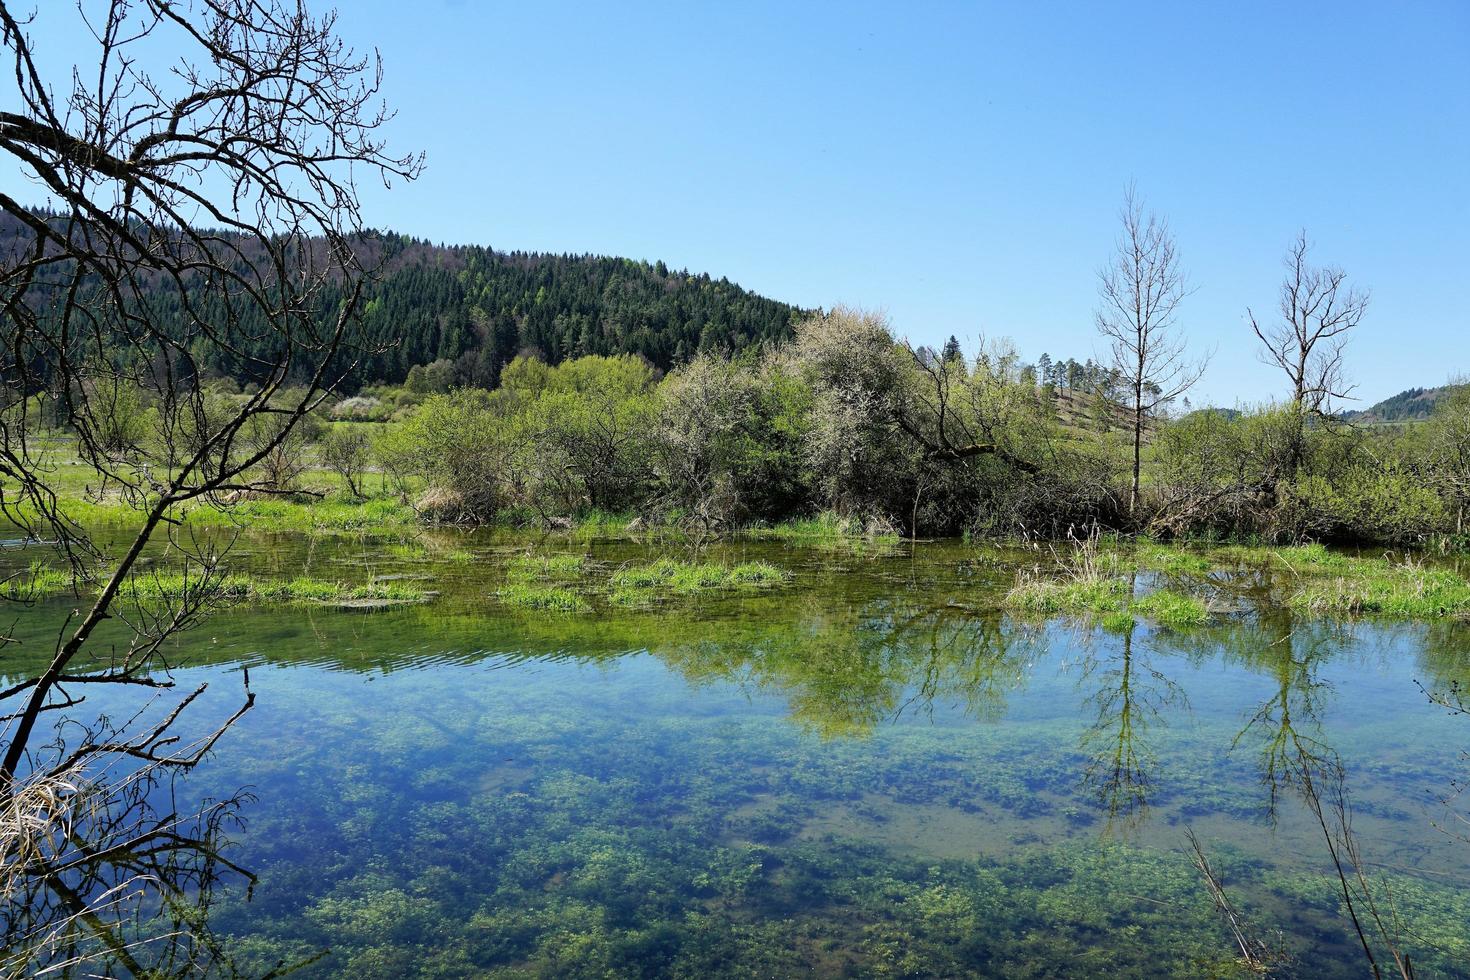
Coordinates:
[479,307]
[1407,406]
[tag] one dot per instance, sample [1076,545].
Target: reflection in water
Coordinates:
[792,782]
[1287,725]
[846,671]
[1129,695]
[107,877]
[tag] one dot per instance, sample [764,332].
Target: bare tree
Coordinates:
[1317,311]
[203,215]
[1141,290]
[345,449]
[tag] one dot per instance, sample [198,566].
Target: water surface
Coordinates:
[870,771]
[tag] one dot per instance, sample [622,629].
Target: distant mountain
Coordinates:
[478,308]
[1407,406]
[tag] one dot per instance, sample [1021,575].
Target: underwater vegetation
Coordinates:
[821,766]
[481,828]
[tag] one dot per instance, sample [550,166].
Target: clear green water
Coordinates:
[868,772]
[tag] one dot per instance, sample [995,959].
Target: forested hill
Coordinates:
[478,308]
[1406,406]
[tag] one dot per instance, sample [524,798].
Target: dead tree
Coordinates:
[1317,312]
[201,212]
[1140,291]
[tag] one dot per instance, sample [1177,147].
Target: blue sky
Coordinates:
[960,165]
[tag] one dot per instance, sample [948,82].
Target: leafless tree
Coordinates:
[345,450]
[1140,291]
[1318,309]
[218,186]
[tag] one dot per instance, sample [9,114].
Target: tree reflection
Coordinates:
[1129,696]
[107,875]
[846,671]
[1287,725]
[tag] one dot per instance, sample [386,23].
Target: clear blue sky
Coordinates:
[960,165]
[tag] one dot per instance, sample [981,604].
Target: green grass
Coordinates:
[1168,559]
[307,515]
[552,598]
[1313,559]
[40,581]
[640,584]
[172,586]
[1109,599]
[531,568]
[1170,608]
[1056,596]
[826,528]
[1373,587]
[601,524]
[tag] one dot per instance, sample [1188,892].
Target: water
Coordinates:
[868,772]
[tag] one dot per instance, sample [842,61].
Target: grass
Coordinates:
[1108,598]
[1326,583]
[638,584]
[1168,607]
[542,597]
[1056,596]
[1374,587]
[601,524]
[1170,560]
[40,581]
[825,528]
[275,514]
[531,568]
[172,586]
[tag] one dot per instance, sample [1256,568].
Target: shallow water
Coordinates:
[868,771]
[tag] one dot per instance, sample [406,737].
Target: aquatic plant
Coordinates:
[1171,608]
[1110,598]
[541,597]
[174,586]
[560,567]
[640,584]
[39,581]
[1171,560]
